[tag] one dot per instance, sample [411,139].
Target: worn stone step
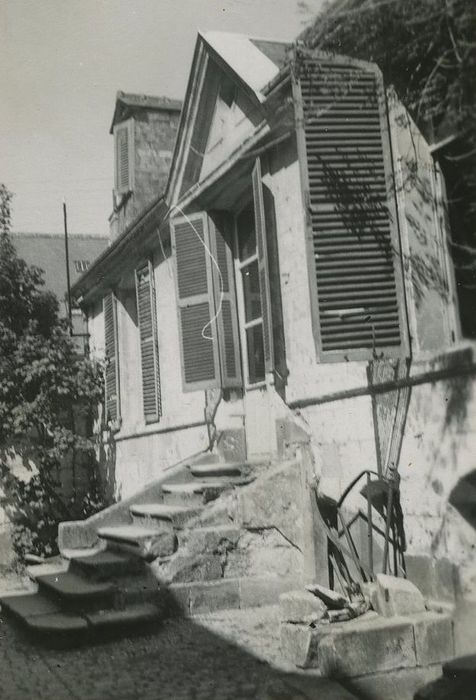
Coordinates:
[48,623]
[197,492]
[102,565]
[132,616]
[140,540]
[27,605]
[157,514]
[73,592]
[216,469]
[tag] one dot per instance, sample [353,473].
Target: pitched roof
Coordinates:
[47,251]
[255,61]
[134,244]
[127,102]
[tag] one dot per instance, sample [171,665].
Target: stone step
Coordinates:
[73,592]
[197,492]
[142,541]
[22,606]
[216,469]
[49,624]
[132,616]
[100,566]
[158,514]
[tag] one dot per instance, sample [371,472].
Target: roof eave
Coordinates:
[87,288]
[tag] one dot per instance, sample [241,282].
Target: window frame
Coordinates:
[243,324]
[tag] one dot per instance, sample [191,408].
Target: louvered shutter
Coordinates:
[354,251]
[263,270]
[112,394]
[123,164]
[149,348]
[425,234]
[225,301]
[196,303]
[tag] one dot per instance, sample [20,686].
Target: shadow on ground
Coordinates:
[180,660]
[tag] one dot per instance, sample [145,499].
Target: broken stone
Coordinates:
[397,596]
[332,600]
[301,607]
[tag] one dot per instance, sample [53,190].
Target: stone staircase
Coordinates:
[210,535]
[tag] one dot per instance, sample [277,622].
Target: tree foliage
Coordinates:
[427,50]
[48,398]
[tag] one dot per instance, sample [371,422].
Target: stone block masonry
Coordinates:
[370,644]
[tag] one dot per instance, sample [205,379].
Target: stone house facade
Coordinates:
[279,283]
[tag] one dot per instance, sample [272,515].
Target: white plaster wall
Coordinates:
[438,449]
[140,460]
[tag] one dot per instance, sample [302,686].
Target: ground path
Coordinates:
[197,659]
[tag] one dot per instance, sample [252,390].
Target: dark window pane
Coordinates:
[245,225]
[251,293]
[254,343]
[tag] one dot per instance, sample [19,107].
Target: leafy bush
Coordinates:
[48,401]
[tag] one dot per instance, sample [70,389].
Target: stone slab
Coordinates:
[299,645]
[225,469]
[69,585]
[434,639]
[58,623]
[106,563]
[163,511]
[397,597]
[373,645]
[29,605]
[131,534]
[130,616]
[300,606]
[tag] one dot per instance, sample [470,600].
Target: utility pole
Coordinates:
[68,279]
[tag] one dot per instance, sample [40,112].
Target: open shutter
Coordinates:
[112,395]
[196,303]
[122,137]
[421,205]
[149,349]
[353,242]
[225,301]
[263,270]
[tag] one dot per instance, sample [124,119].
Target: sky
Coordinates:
[62,62]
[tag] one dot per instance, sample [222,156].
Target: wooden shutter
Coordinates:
[122,137]
[225,301]
[425,236]
[149,348]
[262,248]
[196,303]
[353,242]
[112,389]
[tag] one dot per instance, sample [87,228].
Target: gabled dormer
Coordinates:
[144,130]
[224,104]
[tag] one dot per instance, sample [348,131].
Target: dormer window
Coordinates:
[124,156]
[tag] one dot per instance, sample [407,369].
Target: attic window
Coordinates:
[124,156]
[81,265]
